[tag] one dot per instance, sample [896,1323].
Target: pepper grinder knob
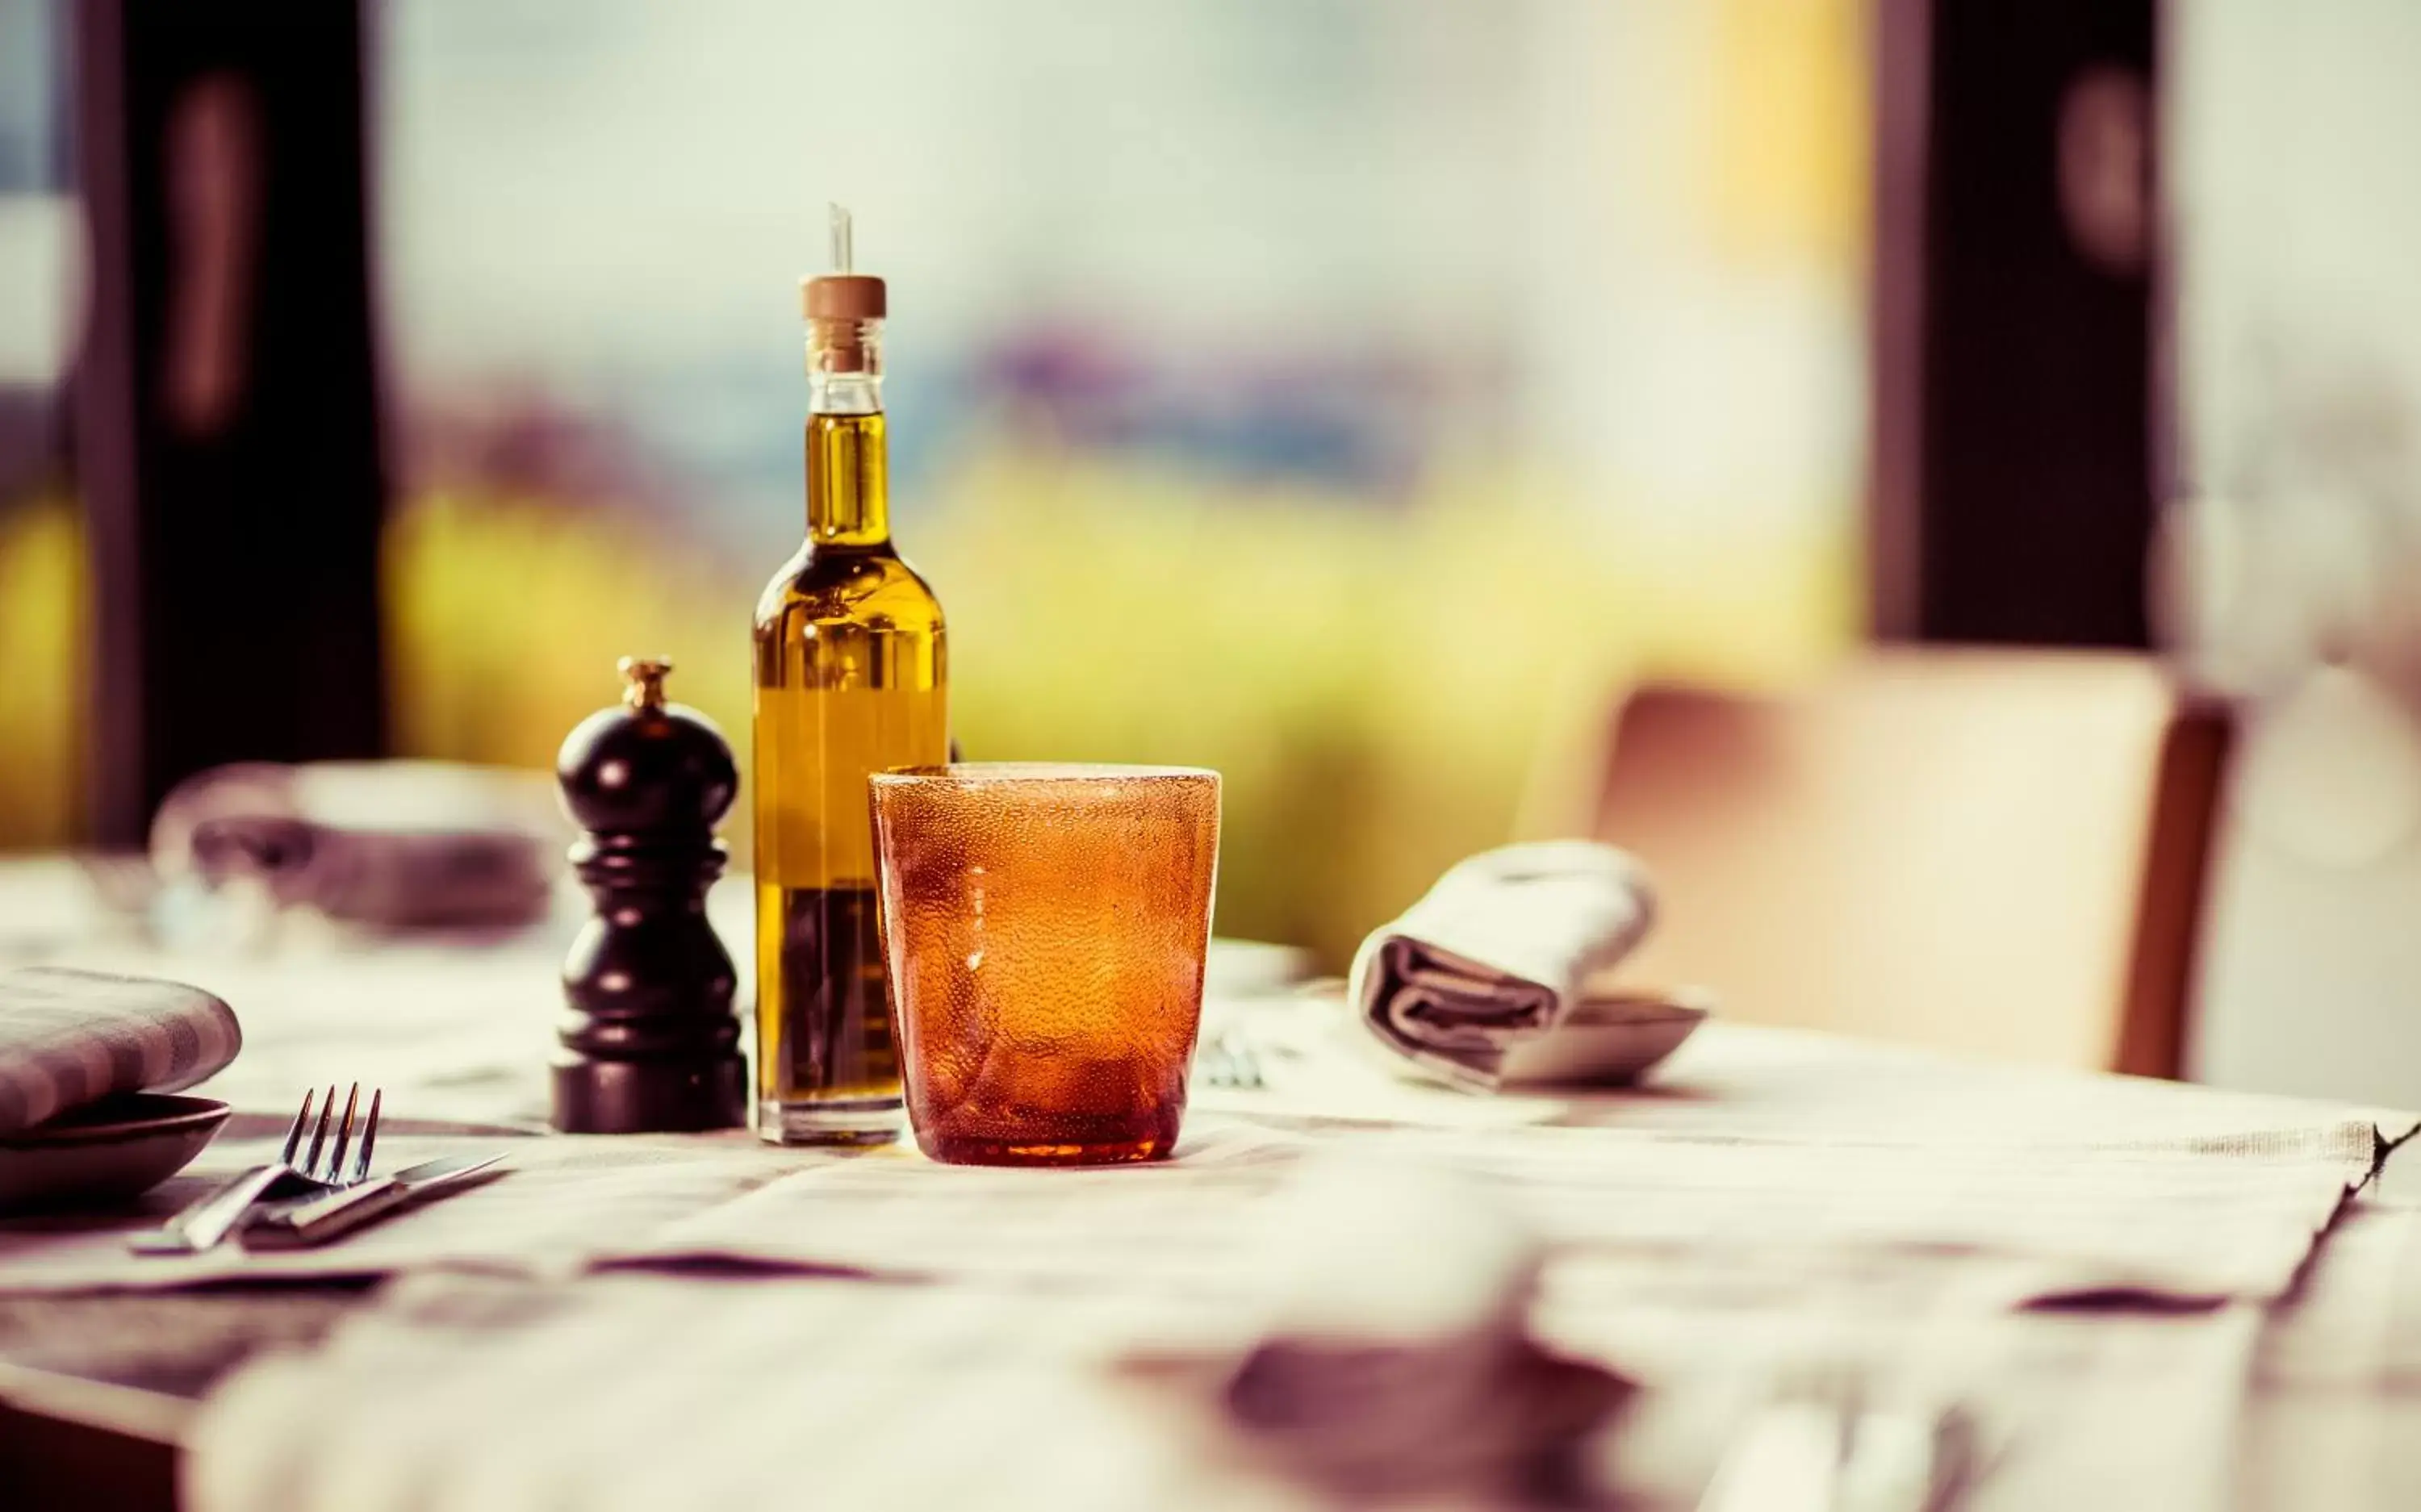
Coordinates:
[650,1044]
[642,680]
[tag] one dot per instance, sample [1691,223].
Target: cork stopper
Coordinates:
[843,294]
[842,297]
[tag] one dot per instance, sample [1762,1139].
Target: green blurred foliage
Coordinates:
[1380,687]
[41,631]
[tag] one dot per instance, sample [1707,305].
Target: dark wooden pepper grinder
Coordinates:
[650,1043]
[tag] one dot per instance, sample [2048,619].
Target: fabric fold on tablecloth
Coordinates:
[1684,1253]
[628,1393]
[2053,1224]
[1498,952]
[1380,1346]
[1759,1143]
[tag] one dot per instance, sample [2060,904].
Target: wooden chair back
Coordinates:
[1988,852]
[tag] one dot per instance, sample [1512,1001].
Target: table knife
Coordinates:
[322,1219]
[207,1222]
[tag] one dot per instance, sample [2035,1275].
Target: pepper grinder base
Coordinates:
[593,1096]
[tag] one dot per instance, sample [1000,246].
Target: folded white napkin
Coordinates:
[1497,953]
[403,845]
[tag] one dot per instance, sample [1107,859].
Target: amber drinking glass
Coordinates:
[1045,927]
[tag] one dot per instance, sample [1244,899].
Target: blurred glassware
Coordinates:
[2295,546]
[1395,1359]
[2289,590]
[392,846]
[1045,926]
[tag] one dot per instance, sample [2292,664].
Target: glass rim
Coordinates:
[977,773]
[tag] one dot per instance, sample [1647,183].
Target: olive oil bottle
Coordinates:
[851,679]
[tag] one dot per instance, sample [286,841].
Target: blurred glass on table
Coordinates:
[1045,926]
[385,846]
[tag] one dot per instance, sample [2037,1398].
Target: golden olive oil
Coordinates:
[851,679]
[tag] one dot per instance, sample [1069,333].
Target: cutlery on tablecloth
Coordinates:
[1227,1059]
[205,1223]
[333,1215]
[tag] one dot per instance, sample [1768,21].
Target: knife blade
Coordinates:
[207,1222]
[322,1219]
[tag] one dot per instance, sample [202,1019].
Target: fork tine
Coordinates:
[370,1137]
[344,1137]
[294,1130]
[319,1132]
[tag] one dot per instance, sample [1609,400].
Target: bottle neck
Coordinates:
[849,461]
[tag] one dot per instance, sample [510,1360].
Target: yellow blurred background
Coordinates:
[1383,688]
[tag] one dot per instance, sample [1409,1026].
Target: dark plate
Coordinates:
[118,1148]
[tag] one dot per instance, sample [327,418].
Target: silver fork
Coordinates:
[207,1222]
[1226,1059]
